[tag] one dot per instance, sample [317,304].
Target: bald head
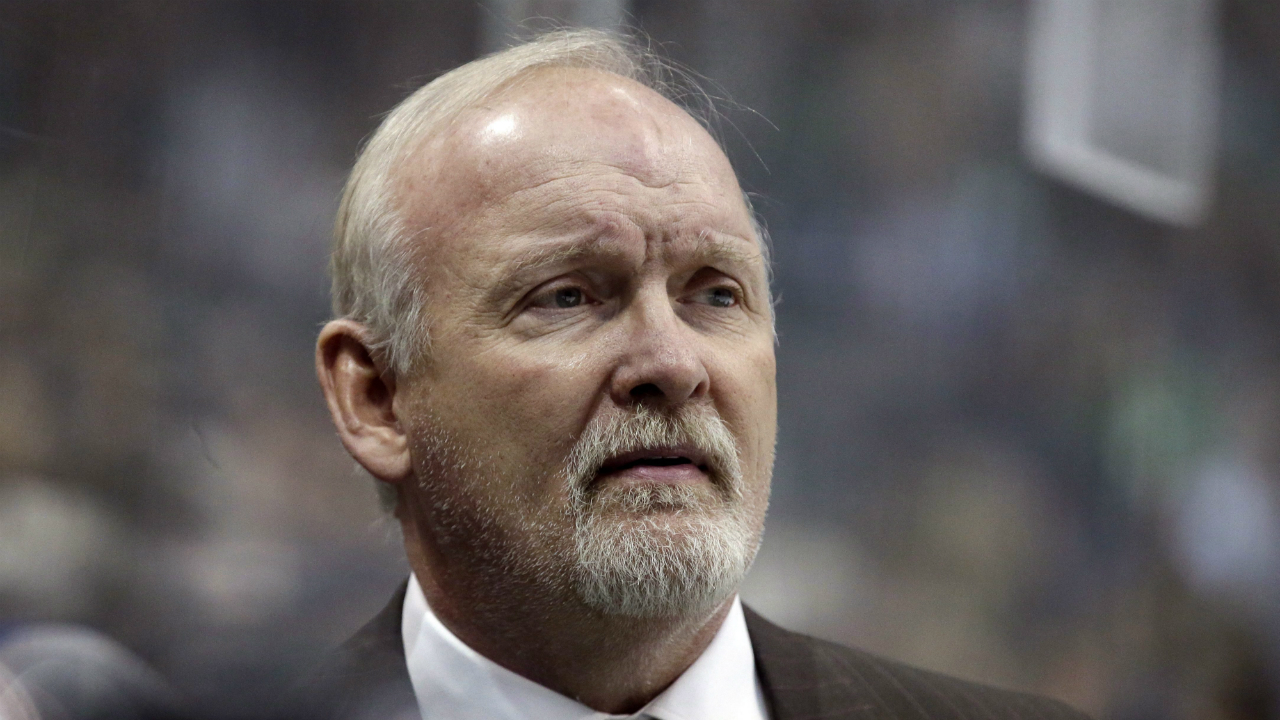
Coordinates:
[531,152]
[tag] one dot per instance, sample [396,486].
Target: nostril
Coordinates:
[646,391]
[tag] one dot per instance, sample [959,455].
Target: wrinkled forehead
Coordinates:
[547,125]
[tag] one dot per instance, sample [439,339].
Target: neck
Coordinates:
[610,663]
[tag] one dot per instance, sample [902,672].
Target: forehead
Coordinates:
[554,136]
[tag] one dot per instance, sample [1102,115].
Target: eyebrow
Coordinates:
[557,254]
[714,244]
[710,245]
[514,271]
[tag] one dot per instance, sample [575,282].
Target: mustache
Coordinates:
[645,429]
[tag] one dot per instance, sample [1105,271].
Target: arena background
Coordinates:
[1028,435]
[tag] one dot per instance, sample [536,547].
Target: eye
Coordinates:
[718,297]
[567,297]
[721,297]
[561,297]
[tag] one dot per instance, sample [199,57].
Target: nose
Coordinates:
[661,360]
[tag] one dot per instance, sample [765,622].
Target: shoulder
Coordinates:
[811,678]
[364,678]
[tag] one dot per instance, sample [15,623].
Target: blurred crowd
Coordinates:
[1026,437]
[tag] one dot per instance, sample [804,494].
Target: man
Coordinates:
[554,347]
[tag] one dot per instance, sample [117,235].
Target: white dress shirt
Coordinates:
[458,683]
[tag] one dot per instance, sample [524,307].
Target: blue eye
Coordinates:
[568,297]
[721,297]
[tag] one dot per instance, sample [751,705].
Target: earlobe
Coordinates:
[361,399]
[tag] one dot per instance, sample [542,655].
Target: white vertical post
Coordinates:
[1122,99]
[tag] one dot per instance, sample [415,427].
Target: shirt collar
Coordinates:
[454,681]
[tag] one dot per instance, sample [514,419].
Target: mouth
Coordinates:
[660,466]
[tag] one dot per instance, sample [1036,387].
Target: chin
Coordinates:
[666,562]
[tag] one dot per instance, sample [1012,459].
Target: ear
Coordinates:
[361,398]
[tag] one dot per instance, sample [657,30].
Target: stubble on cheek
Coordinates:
[470,511]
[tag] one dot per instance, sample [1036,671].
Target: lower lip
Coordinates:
[686,474]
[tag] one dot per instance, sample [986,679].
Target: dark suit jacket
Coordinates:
[803,678]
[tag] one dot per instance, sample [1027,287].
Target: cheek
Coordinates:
[530,406]
[754,400]
[547,387]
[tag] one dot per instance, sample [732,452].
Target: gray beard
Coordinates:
[642,552]
[664,551]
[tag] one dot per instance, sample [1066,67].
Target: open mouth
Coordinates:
[656,462]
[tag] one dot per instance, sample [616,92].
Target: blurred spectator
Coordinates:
[62,672]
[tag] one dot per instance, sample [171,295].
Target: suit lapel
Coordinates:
[798,681]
